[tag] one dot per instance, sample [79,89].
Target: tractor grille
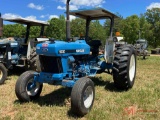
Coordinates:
[50,64]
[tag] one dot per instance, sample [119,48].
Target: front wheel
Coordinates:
[82,96]
[124,67]
[3,73]
[26,88]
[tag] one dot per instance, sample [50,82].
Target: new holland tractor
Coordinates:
[73,63]
[19,51]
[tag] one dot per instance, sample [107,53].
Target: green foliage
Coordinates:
[13,30]
[145,29]
[107,26]
[130,28]
[78,27]
[97,31]
[153,17]
[117,25]
[34,31]
[145,26]
[19,30]
[56,29]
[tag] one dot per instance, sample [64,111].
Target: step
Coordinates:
[20,65]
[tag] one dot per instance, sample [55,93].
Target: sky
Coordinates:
[47,9]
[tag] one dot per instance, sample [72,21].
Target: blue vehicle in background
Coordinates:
[71,63]
[19,51]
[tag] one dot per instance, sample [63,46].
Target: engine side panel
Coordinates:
[61,48]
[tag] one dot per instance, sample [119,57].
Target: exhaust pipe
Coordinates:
[1,26]
[67,21]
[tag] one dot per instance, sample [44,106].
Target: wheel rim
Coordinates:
[88,97]
[1,74]
[32,88]
[132,68]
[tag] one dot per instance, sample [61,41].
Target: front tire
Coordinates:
[3,73]
[82,96]
[26,89]
[124,67]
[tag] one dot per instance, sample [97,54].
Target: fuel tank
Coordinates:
[62,48]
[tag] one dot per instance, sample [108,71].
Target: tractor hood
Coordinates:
[62,48]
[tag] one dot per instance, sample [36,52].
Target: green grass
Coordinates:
[109,104]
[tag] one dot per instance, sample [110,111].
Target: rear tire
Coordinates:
[124,67]
[82,96]
[3,73]
[26,89]
[34,62]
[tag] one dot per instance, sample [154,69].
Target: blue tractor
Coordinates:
[73,63]
[19,51]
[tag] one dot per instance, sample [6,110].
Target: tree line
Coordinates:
[145,26]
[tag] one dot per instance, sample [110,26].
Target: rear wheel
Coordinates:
[3,73]
[124,67]
[82,96]
[26,88]
[34,61]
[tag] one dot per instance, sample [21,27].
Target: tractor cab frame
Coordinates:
[94,14]
[98,14]
[29,24]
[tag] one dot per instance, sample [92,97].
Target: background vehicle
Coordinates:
[72,63]
[19,51]
[141,47]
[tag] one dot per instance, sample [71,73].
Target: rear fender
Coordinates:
[109,50]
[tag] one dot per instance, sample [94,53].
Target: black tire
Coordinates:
[144,57]
[123,74]
[144,54]
[22,87]
[3,73]
[79,106]
[34,62]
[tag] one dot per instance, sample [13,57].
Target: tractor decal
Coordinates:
[71,51]
[45,45]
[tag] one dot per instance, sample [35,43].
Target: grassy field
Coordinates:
[142,102]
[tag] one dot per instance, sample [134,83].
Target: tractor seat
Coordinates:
[95,44]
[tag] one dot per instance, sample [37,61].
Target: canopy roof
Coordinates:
[26,21]
[95,13]
[141,40]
